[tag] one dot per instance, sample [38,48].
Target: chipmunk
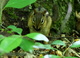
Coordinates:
[78,21]
[40,21]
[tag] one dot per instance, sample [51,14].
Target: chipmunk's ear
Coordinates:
[46,13]
[78,14]
[33,12]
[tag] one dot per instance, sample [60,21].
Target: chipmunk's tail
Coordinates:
[63,23]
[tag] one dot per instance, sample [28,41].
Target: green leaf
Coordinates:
[38,36]
[70,57]
[1,38]
[27,45]
[41,46]
[19,3]
[51,56]
[59,42]
[11,27]
[10,43]
[15,29]
[42,57]
[75,45]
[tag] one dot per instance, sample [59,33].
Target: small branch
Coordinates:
[2,4]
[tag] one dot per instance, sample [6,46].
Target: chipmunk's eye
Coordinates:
[42,21]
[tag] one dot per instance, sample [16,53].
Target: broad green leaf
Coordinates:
[75,45]
[38,36]
[51,56]
[1,38]
[58,42]
[11,26]
[10,43]
[42,57]
[27,45]
[19,3]
[41,46]
[70,57]
[15,29]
